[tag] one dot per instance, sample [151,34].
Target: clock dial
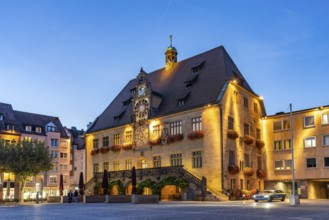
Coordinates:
[141,109]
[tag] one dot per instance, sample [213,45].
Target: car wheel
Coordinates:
[283,198]
[270,199]
[256,200]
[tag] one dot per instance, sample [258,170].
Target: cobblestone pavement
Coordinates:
[309,209]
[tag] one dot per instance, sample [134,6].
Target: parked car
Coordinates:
[269,195]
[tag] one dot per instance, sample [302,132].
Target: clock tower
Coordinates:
[142,99]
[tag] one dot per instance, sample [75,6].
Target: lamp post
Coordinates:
[294,199]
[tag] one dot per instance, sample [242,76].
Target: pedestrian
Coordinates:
[70,196]
[75,196]
[37,198]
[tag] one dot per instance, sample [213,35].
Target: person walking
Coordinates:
[70,196]
[75,196]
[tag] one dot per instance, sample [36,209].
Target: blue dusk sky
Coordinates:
[70,58]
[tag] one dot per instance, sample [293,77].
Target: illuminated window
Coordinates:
[176,159]
[27,138]
[310,162]
[65,178]
[326,162]
[96,168]
[277,126]
[63,155]
[325,140]
[175,128]
[277,145]
[309,121]
[197,159]
[156,131]
[54,142]
[310,142]
[157,161]
[106,166]
[105,141]
[129,164]
[197,124]
[53,179]
[117,139]
[95,143]
[28,128]
[129,137]
[38,129]
[286,124]
[230,125]
[287,144]
[143,163]
[116,165]
[325,119]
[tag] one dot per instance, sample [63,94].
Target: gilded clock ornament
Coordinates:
[142,108]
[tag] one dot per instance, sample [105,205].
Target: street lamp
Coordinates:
[294,199]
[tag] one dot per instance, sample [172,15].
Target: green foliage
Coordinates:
[118,183]
[147,183]
[179,182]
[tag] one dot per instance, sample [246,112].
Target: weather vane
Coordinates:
[170,40]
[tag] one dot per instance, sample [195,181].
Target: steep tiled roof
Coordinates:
[213,69]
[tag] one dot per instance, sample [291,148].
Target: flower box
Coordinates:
[247,139]
[155,141]
[94,151]
[195,135]
[232,134]
[173,138]
[127,146]
[260,144]
[261,173]
[233,169]
[104,150]
[248,171]
[115,148]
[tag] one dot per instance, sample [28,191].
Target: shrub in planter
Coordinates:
[261,173]
[178,137]
[195,135]
[232,134]
[94,151]
[104,150]
[247,139]
[127,146]
[115,148]
[156,141]
[260,144]
[233,169]
[248,171]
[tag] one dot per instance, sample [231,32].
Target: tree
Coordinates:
[133,180]
[105,183]
[27,159]
[81,185]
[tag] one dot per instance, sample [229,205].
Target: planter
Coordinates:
[156,141]
[115,148]
[173,138]
[233,169]
[195,135]
[232,134]
[248,171]
[247,139]
[94,151]
[127,146]
[104,150]
[261,174]
[260,144]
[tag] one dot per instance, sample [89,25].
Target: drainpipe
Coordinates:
[221,142]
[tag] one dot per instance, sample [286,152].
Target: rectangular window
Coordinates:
[287,144]
[230,125]
[277,126]
[325,140]
[63,167]
[129,164]
[231,157]
[96,168]
[53,154]
[65,178]
[310,162]
[246,160]
[245,102]
[246,129]
[259,162]
[277,145]
[63,155]
[258,134]
[286,124]
[129,137]
[176,128]
[50,128]
[287,164]
[325,119]
[106,166]
[326,162]
[197,124]
[53,179]
[156,131]
[95,143]
[54,167]
[10,127]
[157,161]
[197,159]
[116,165]
[255,107]
[310,142]
[106,141]
[28,128]
[176,159]
[309,121]
[38,130]
[54,142]
[117,139]
[278,165]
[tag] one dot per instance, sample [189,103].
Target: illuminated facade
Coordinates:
[16,126]
[197,119]
[311,151]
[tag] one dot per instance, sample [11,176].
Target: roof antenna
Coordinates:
[170,40]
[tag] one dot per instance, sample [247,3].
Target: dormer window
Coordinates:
[133,91]
[10,127]
[183,98]
[180,102]
[38,130]
[28,128]
[195,69]
[1,117]
[50,127]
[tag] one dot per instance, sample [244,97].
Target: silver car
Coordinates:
[269,195]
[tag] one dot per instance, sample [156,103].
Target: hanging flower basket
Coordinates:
[195,135]
[260,144]
[115,148]
[233,169]
[173,138]
[104,150]
[248,171]
[261,173]
[232,134]
[247,139]
[94,151]
[156,141]
[127,146]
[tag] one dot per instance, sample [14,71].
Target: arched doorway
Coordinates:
[129,189]
[114,190]
[171,192]
[147,191]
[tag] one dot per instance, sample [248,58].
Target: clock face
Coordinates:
[141,108]
[141,91]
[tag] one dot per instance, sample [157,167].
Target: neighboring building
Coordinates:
[77,155]
[16,126]
[311,151]
[196,120]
